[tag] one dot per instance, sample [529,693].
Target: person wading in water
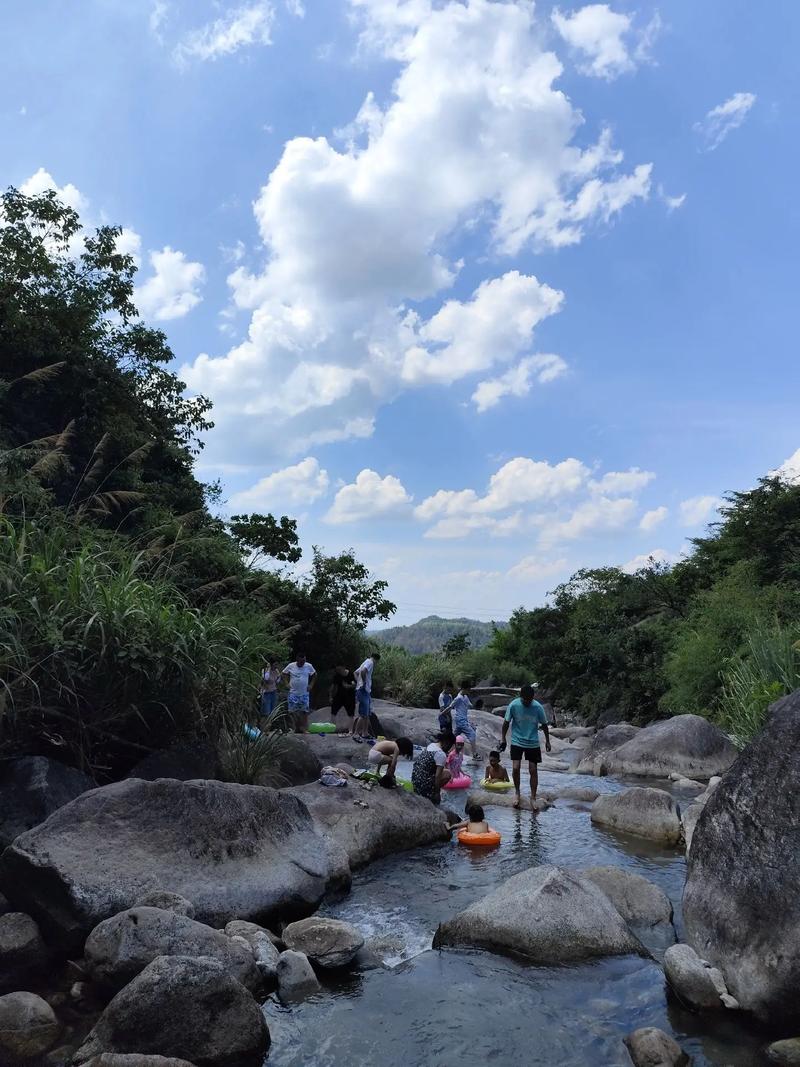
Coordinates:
[524,715]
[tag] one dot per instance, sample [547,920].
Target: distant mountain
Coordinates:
[430,633]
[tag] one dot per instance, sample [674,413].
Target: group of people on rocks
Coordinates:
[351,692]
[441,762]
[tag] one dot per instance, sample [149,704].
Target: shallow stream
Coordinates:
[454,1007]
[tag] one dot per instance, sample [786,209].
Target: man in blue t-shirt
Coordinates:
[524,715]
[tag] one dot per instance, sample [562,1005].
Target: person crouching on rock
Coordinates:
[430,772]
[475,822]
[495,771]
[386,754]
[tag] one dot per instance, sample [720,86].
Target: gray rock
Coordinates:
[639,902]
[692,979]
[786,1053]
[296,978]
[326,942]
[121,947]
[23,953]
[261,944]
[134,1059]
[686,744]
[392,820]
[235,851]
[651,1047]
[31,789]
[572,733]
[487,798]
[593,759]
[160,898]
[28,1027]
[296,763]
[5,907]
[650,813]
[186,1008]
[741,905]
[547,914]
[587,793]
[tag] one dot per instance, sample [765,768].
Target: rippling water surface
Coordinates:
[455,1007]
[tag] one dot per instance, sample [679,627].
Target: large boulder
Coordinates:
[547,914]
[186,1008]
[31,789]
[693,980]
[296,978]
[691,813]
[384,821]
[234,851]
[651,1047]
[488,797]
[650,813]
[741,904]
[23,953]
[28,1027]
[121,947]
[639,902]
[295,762]
[326,942]
[688,745]
[785,1053]
[594,759]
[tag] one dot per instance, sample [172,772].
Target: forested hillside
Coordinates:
[131,615]
[432,633]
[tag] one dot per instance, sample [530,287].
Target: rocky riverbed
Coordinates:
[167,918]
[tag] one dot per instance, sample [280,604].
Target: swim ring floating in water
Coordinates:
[463,781]
[322,728]
[499,787]
[490,838]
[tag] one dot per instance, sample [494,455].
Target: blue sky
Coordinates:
[488,290]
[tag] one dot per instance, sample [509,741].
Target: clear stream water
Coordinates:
[448,1008]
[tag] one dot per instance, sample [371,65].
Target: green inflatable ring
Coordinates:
[498,787]
[404,783]
[321,728]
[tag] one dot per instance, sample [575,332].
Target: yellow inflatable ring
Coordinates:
[499,787]
[490,838]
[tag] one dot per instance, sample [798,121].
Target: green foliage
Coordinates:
[416,681]
[457,644]
[767,669]
[345,591]
[432,632]
[264,536]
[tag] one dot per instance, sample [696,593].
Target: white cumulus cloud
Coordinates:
[172,290]
[617,483]
[698,509]
[599,515]
[475,132]
[724,118]
[653,518]
[533,568]
[42,181]
[519,380]
[647,559]
[295,486]
[243,26]
[789,470]
[369,497]
[605,39]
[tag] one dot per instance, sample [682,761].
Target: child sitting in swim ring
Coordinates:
[475,822]
[495,771]
[455,757]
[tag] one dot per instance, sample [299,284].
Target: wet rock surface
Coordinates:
[326,942]
[651,1047]
[28,1027]
[644,812]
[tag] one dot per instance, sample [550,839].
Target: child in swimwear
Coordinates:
[455,757]
[386,754]
[475,822]
[495,771]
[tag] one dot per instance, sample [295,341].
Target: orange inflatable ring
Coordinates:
[490,838]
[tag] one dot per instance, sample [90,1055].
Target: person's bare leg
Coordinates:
[515,773]
[534,773]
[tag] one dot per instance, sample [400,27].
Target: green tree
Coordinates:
[344,588]
[457,644]
[266,537]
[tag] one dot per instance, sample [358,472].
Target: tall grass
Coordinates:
[767,669]
[105,659]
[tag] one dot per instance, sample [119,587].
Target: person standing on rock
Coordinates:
[301,678]
[270,677]
[343,696]
[524,715]
[460,709]
[364,694]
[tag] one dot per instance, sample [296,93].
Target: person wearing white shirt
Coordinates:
[364,694]
[301,677]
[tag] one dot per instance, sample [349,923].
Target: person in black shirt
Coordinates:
[343,694]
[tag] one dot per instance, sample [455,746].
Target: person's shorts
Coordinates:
[445,722]
[268,702]
[375,757]
[532,755]
[299,702]
[364,703]
[466,729]
[344,705]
